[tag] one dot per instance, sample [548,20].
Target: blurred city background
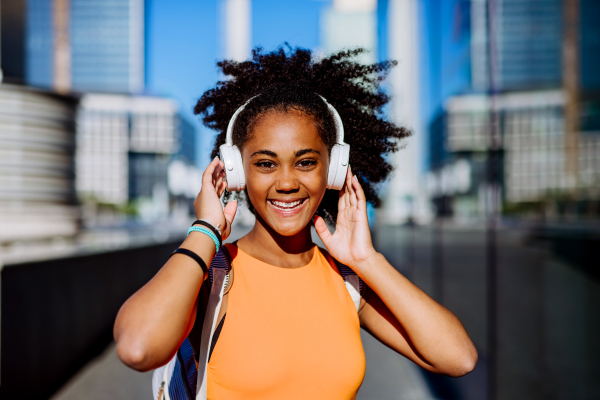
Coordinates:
[493,209]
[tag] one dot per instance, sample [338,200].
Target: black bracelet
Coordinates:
[193,255]
[212,228]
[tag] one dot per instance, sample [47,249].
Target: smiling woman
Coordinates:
[287,161]
[288,324]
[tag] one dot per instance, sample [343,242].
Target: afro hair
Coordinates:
[290,80]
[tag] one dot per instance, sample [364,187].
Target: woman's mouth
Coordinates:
[287,207]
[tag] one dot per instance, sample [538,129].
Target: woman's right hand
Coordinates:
[208,204]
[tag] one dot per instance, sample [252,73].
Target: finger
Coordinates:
[322,230]
[360,193]
[346,195]
[351,195]
[216,176]
[341,200]
[221,187]
[221,174]
[229,212]
[208,173]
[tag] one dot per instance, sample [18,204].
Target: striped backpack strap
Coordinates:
[354,285]
[179,379]
[221,280]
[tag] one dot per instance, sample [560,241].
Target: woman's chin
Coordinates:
[288,227]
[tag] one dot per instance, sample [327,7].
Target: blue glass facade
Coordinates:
[590,44]
[187,140]
[101,45]
[40,41]
[107,45]
[529,43]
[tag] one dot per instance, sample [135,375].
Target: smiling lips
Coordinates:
[287,206]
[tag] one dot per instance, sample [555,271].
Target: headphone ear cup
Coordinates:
[239,168]
[338,166]
[234,169]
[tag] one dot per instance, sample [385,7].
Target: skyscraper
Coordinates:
[405,198]
[350,24]
[124,147]
[542,89]
[84,45]
[528,42]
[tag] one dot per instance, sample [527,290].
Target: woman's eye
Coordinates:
[265,164]
[307,163]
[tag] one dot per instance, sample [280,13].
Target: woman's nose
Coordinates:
[287,181]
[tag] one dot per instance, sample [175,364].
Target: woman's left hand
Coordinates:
[351,243]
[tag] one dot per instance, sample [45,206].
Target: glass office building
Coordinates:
[529,43]
[528,71]
[125,145]
[40,43]
[106,43]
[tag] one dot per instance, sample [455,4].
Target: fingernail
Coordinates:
[355,177]
[216,158]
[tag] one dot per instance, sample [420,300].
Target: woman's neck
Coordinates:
[265,244]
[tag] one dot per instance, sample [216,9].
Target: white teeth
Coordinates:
[282,204]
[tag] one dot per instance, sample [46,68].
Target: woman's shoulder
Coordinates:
[326,254]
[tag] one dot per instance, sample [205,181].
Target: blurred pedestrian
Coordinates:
[297,127]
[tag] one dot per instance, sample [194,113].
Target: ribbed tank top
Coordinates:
[288,334]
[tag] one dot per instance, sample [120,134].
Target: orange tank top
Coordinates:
[288,334]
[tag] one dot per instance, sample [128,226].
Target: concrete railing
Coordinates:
[58,314]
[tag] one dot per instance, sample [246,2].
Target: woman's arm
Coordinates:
[404,318]
[395,311]
[153,323]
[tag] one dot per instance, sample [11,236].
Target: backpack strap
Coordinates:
[354,285]
[221,279]
[181,378]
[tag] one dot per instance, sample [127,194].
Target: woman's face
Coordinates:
[286,165]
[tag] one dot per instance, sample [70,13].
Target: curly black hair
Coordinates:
[291,81]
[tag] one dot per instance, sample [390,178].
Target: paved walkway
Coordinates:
[389,377]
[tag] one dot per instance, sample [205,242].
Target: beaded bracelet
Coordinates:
[207,232]
[210,226]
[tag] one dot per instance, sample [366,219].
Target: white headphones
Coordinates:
[234,169]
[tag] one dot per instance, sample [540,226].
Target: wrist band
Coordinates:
[210,226]
[207,232]
[192,255]
[217,228]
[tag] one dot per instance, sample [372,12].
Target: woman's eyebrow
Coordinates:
[304,151]
[264,152]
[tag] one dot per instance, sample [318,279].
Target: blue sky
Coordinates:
[294,21]
[181,54]
[183,46]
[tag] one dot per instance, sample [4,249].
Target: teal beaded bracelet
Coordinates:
[207,232]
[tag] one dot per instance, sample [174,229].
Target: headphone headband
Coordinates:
[339,126]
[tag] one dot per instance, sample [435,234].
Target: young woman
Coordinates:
[291,329]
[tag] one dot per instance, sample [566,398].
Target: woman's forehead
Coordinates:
[284,132]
